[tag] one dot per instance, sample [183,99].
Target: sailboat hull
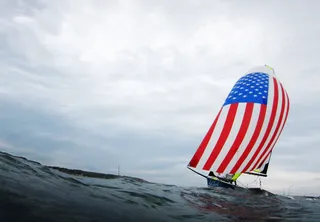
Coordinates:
[219,183]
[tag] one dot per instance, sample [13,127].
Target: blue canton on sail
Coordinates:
[250,88]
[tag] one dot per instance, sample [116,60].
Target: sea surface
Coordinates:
[32,192]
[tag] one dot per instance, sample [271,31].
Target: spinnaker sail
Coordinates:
[246,129]
[262,169]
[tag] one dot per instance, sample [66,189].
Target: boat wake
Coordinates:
[30,191]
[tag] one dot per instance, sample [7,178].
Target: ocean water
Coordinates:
[32,192]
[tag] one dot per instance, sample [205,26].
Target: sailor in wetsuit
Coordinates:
[228,179]
[223,179]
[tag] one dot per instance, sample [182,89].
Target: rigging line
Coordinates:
[247,183]
[242,184]
[260,182]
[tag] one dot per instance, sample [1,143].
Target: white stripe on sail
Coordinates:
[214,138]
[265,162]
[273,128]
[280,127]
[264,126]
[246,139]
[286,113]
[232,136]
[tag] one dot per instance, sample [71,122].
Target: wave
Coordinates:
[30,191]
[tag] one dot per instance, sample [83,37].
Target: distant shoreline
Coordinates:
[77,172]
[90,174]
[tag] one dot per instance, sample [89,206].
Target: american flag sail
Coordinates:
[247,126]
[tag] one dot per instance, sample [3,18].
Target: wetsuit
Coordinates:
[223,179]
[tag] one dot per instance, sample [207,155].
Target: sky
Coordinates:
[96,84]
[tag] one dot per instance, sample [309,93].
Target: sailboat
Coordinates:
[244,133]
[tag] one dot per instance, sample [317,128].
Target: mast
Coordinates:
[242,136]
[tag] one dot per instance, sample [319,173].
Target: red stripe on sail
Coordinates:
[285,120]
[277,128]
[223,136]
[273,115]
[240,136]
[197,156]
[262,114]
[264,159]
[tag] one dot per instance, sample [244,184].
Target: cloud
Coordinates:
[100,83]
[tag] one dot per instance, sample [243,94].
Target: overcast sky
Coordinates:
[96,83]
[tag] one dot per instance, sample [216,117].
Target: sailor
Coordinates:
[228,178]
[225,179]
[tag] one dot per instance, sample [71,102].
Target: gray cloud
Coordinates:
[100,83]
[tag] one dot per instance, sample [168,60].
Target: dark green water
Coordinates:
[32,192]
